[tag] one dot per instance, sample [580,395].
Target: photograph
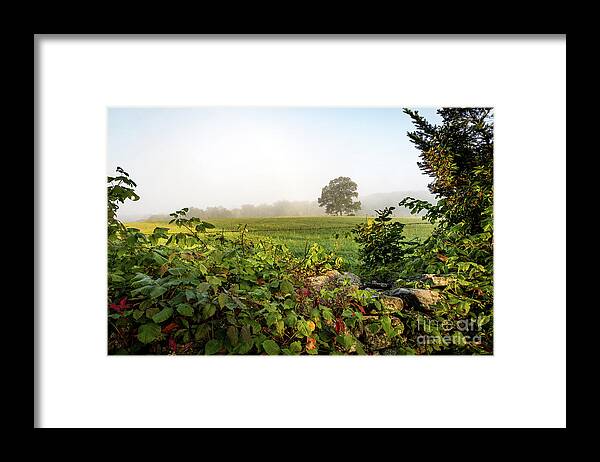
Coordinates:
[264,230]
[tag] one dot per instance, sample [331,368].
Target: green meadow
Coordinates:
[296,233]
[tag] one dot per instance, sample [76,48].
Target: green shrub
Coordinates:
[383,244]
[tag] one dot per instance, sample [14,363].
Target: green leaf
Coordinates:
[327,313]
[271,347]
[148,332]
[286,287]
[142,290]
[217,256]
[209,310]
[279,327]
[212,347]
[291,319]
[159,258]
[359,349]
[374,327]
[222,299]
[117,278]
[232,335]
[345,340]
[386,323]
[244,347]
[157,291]
[302,328]
[137,314]
[163,315]
[272,318]
[245,334]
[151,312]
[203,287]
[185,310]
[296,347]
[190,294]
[213,281]
[202,332]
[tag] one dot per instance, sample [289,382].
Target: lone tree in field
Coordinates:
[337,196]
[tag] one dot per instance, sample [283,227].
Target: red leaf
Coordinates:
[304,292]
[172,344]
[121,306]
[169,327]
[339,326]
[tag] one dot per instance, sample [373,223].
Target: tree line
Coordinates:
[277,209]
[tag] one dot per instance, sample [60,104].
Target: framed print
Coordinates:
[226,223]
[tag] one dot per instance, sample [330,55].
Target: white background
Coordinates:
[523,384]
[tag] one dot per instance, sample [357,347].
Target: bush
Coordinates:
[383,244]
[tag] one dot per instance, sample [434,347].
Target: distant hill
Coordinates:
[378,201]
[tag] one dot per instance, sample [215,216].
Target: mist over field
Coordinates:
[370,204]
[253,162]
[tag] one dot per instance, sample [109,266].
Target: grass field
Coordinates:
[296,232]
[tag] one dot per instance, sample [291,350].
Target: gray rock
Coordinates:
[333,278]
[316,283]
[376,285]
[416,297]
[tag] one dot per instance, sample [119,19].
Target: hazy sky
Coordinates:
[199,157]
